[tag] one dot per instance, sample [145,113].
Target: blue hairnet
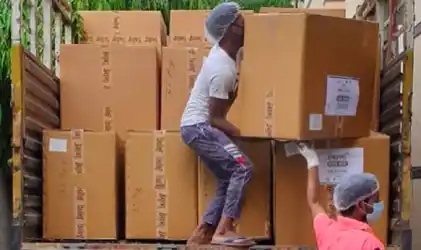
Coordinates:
[353,189]
[219,19]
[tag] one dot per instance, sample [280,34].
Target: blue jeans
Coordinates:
[229,165]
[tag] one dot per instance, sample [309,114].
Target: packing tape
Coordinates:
[339,124]
[188,39]
[268,228]
[192,68]
[119,39]
[106,67]
[108,118]
[160,185]
[80,213]
[107,83]
[268,119]
[77,151]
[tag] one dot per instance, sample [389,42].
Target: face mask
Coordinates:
[378,208]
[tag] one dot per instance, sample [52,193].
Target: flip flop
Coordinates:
[234,241]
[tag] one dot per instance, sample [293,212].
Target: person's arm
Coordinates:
[220,102]
[313,182]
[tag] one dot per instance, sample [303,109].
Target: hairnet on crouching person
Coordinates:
[353,189]
[219,19]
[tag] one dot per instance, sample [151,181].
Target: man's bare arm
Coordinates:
[313,185]
[218,109]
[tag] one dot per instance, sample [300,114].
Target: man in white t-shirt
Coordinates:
[207,132]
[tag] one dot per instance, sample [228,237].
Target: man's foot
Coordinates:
[226,235]
[202,235]
[230,238]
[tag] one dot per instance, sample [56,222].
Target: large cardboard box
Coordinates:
[308,76]
[161,186]
[255,218]
[292,218]
[79,185]
[187,28]
[109,88]
[339,12]
[124,27]
[180,67]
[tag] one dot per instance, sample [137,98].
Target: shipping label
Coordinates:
[338,162]
[342,95]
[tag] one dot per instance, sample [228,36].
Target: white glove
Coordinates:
[309,154]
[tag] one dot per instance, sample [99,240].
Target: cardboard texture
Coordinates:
[161,186]
[255,217]
[186,28]
[116,91]
[124,27]
[180,67]
[306,89]
[339,12]
[79,185]
[292,218]
[376,98]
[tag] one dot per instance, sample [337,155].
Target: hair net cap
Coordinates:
[219,19]
[353,189]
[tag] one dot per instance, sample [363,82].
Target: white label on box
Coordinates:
[315,122]
[57,145]
[342,94]
[338,162]
[291,149]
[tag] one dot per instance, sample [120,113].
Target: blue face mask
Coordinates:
[378,208]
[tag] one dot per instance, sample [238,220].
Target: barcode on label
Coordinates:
[343,106]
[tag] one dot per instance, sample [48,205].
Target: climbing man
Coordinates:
[207,132]
[355,197]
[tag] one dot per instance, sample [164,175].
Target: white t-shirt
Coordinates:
[216,79]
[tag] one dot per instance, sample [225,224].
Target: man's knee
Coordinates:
[244,168]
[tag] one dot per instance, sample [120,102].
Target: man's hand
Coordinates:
[309,154]
[313,183]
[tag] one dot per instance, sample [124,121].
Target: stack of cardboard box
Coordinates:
[119,159]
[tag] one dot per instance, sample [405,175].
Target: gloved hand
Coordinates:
[309,154]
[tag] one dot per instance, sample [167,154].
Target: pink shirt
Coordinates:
[344,234]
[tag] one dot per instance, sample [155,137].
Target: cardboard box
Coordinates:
[292,219]
[317,78]
[161,186]
[255,218]
[109,88]
[187,28]
[180,67]
[79,185]
[124,27]
[340,12]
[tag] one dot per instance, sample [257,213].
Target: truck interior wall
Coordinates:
[416,141]
[40,109]
[391,123]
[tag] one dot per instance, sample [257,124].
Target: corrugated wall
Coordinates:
[35,108]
